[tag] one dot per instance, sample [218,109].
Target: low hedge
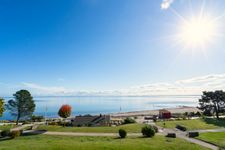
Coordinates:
[5,133]
[15,133]
[171,135]
[193,134]
[180,127]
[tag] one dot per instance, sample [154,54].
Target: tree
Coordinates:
[22,106]
[148,131]
[2,108]
[65,111]
[212,102]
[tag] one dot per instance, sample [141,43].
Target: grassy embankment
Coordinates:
[217,138]
[6,127]
[130,128]
[47,142]
[208,123]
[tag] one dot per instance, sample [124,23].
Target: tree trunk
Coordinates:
[217,110]
[17,119]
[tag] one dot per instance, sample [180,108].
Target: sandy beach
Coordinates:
[177,110]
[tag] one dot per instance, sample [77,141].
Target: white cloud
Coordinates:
[190,86]
[43,90]
[166,4]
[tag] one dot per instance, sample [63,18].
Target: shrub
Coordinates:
[172,135]
[15,134]
[193,134]
[122,133]
[148,131]
[156,129]
[37,118]
[25,122]
[129,120]
[198,114]
[53,123]
[182,128]
[5,133]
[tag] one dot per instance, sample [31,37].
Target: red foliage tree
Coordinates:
[65,111]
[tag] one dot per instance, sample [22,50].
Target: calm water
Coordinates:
[48,106]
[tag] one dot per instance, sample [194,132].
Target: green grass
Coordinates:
[132,128]
[6,127]
[209,123]
[217,138]
[47,142]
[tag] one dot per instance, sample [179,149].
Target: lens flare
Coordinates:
[197,31]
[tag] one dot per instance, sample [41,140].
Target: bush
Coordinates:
[25,122]
[182,128]
[53,123]
[122,133]
[129,120]
[156,129]
[15,134]
[193,134]
[198,114]
[148,131]
[5,133]
[172,135]
[37,118]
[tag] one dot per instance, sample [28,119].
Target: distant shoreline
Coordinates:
[140,113]
[113,96]
[181,109]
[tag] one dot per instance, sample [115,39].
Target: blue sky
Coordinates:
[58,46]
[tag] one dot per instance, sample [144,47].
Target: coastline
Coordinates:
[176,110]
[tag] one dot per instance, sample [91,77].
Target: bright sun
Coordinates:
[197,32]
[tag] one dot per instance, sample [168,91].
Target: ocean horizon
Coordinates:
[48,106]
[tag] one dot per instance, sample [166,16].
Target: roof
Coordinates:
[89,119]
[164,111]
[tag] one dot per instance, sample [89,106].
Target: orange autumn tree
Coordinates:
[65,111]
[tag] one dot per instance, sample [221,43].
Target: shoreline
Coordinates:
[139,113]
[175,110]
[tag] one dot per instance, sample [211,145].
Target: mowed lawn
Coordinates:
[6,127]
[131,128]
[217,138]
[209,123]
[47,142]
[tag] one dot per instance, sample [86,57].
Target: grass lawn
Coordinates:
[217,138]
[5,127]
[47,142]
[132,128]
[209,123]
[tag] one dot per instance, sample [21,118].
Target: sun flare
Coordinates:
[197,31]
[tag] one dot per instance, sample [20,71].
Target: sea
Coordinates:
[48,106]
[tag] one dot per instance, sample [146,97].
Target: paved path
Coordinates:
[182,135]
[210,130]
[78,133]
[179,134]
[33,125]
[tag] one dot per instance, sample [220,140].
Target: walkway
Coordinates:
[210,130]
[182,135]
[78,133]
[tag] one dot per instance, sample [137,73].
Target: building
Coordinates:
[164,114]
[88,120]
